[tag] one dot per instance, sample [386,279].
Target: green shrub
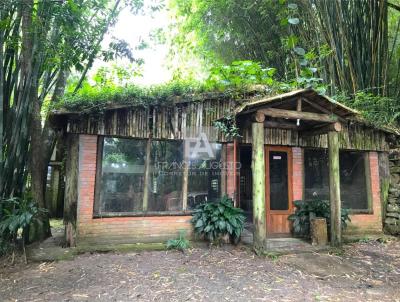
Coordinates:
[16,214]
[215,219]
[313,208]
[180,243]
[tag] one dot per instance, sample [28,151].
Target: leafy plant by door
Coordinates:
[306,209]
[215,220]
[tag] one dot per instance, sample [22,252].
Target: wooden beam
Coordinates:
[71,188]
[320,108]
[337,127]
[258,173]
[147,184]
[280,125]
[299,104]
[290,114]
[259,117]
[334,188]
[298,109]
[185,178]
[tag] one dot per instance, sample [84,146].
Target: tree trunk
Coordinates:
[1,101]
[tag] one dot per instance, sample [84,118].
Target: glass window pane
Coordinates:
[278,179]
[165,189]
[353,182]
[122,175]
[316,177]
[204,176]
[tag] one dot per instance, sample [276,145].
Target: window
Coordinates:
[120,181]
[204,176]
[165,189]
[353,177]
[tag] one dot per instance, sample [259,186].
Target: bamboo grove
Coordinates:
[354,45]
[41,42]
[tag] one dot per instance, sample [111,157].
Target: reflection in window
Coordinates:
[353,180]
[122,175]
[121,180]
[204,176]
[165,190]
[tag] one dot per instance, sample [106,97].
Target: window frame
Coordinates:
[98,176]
[369,210]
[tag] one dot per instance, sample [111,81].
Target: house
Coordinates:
[134,173]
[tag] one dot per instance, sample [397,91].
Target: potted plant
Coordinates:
[308,209]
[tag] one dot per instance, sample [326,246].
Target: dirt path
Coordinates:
[363,272]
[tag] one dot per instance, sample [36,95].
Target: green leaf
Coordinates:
[294,21]
[199,223]
[300,51]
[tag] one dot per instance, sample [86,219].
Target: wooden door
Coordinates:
[279,204]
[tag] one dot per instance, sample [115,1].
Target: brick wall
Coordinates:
[369,223]
[119,230]
[230,173]
[115,230]
[297,179]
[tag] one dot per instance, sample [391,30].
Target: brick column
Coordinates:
[230,175]
[297,178]
[375,184]
[87,177]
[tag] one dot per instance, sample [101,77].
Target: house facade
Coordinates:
[134,174]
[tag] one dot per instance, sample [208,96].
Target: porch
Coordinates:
[309,115]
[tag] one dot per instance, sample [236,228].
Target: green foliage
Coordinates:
[232,80]
[379,110]
[17,214]
[214,220]
[180,243]
[239,75]
[116,158]
[98,97]
[313,208]
[224,31]
[228,127]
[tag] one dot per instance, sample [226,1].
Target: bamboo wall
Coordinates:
[183,120]
[170,122]
[352,137]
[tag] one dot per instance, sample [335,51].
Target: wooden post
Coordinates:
[334,188]
[185,178]
[71,189]
[258,171]
[147,184]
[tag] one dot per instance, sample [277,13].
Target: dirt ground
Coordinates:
[364,271]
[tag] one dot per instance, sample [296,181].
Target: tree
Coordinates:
[40,43]
[229,30]
[352,43]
